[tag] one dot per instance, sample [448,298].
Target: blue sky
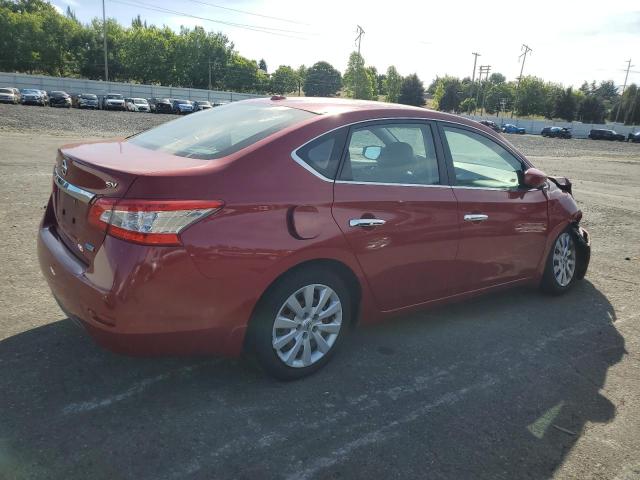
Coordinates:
[572,41]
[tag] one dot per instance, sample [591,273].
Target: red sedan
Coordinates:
[275,225]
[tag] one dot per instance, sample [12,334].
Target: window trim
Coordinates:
[449,159]
[425,124]
[340,140]
[445,165]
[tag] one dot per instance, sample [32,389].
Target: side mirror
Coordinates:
[372,152]
[534,178]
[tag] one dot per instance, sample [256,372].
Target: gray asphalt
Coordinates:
[511,385]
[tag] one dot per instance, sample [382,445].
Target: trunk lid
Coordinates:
[87,171]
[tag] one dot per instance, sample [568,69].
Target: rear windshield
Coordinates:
[221,131]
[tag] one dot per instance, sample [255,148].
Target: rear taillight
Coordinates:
[149,222]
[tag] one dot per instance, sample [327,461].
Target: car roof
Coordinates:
[363,109]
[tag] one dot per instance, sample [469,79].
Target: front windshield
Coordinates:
[221,131]
[5,90]
[139,101]
[115,97]
[183,102]
[87,96]
[29,91]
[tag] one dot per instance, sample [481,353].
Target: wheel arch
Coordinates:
[340,268]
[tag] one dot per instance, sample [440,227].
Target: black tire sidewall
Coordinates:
[261,327]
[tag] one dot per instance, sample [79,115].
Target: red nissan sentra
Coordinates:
[275,225]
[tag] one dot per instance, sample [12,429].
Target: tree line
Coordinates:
[35,38]
[591,103]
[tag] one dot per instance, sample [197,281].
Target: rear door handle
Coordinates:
[475,217]
[366,222]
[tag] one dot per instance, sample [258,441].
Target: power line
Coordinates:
[248,13]
[255,28]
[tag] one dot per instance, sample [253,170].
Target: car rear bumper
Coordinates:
[142,300]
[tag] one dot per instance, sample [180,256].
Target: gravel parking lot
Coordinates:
[511,385]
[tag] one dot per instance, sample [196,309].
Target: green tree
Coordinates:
[496,96]
[357,80]
[592,110]
[531,97]
[262,65]
[412,91]
[448,94]
[393,84]
[301,74]
[468,105]
[566,105]
[284,80]
[322,80]
[496,78]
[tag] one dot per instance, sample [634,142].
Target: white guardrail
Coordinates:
[578,129]
[97,87]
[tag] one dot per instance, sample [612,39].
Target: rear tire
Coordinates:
[300,323]
[560,270]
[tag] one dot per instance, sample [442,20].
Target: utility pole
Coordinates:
[522,56]
[104,31]
[475,59]
[484,69]
[360,32]
[626,77]
[487,70]
[209,73]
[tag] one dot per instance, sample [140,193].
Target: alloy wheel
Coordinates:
[564,259]
[307,325]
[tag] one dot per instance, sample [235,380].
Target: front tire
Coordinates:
[300,323]
[560,271]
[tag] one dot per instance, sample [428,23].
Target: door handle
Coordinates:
[475,217]
[366,222]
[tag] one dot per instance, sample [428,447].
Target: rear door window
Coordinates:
[323,154]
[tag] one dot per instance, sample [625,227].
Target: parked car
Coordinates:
[58,98]
[602,134]
[182,107]
[31,96]
[556,132]
[137,105]
[113,101]
[510,128]
[9,95]
[160,105]
[491,125]
[246,227]
[634,137]
[201,105]
[88,100]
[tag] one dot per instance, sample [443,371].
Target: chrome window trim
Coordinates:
[76,192]
[384,184]
[306,166]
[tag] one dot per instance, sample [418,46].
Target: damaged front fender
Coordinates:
[583,249]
